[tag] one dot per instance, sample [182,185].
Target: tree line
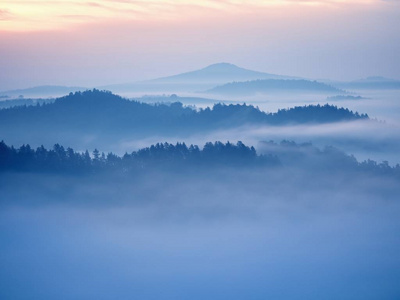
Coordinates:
[179,156]
[160,155]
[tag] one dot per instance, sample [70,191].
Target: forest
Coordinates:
[158,156]
[179,157]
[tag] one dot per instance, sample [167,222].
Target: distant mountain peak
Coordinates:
[221,66]
[197,80]
[218,73]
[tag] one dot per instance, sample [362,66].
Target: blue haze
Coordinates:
[305,208]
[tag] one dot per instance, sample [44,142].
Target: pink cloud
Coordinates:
[5,15]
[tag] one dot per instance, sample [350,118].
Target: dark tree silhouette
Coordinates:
[179,156]
[160,155]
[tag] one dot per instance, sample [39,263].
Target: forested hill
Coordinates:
[103,112]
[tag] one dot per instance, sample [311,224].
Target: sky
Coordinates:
[100,42]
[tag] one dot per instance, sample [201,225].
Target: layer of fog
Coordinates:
[366,140]
[380,104]
[363,139]
[287,234]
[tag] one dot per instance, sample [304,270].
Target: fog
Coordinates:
[311,228]
[222,233]
[363,139]
[381,104]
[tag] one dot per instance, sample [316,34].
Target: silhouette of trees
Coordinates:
[160,155]
[315,114]
[180,156]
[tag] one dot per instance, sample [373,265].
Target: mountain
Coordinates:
[218,73]
[272,85]
[42,91]
[205,78]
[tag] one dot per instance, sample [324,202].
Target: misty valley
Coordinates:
[220,183]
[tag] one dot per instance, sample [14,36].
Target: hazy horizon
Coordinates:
[101,42]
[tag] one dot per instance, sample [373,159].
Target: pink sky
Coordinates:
[91,43]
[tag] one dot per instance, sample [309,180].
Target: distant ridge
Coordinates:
[103,111]
[43,91]
[376,79]
[272,85]
[370,83]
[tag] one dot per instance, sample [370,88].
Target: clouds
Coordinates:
[32,15]
[5,15]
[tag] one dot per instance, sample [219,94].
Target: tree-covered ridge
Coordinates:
[171,157]
[104,112]
[161,155]
[317,113]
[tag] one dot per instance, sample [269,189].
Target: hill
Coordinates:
[272,85]
[102,110]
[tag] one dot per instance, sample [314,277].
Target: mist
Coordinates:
[317,225]
[199,149]
[213,234]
